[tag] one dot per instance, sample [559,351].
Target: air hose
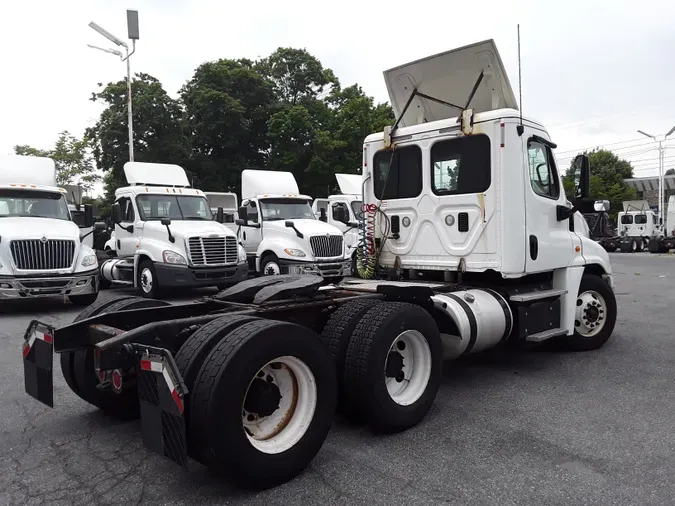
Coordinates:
[367,254]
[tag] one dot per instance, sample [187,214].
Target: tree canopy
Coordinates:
[74,164]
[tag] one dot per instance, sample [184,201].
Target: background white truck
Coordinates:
[470,196]
[636,225]
[165,235]
[280,232]
[666,242]
[42,251]
[343,211]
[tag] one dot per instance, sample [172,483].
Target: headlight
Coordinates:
[89,260]
[294,252]
[171,257]
[242,254]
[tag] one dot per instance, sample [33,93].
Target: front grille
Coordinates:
[213,250]
[326,245]
[35,255]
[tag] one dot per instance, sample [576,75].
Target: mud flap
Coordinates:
[161,393]
[38,359]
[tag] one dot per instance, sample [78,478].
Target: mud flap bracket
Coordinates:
[38,360]
[162,395]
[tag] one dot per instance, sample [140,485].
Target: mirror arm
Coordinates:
[129,229]
[172,239]
[83,237]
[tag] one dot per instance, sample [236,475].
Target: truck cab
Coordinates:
[475,191]
[343,211]
[281,234]
[43,252]
[636,225]
[165,235]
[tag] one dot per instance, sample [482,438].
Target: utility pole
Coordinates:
[661,158]
[132,27]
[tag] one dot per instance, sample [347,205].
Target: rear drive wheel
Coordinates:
[147,280]
[263,403]
[595,315]
[125,404]
[336,335]
[191,355]
[639,245]
[83,300]
[393,366]
[633,245]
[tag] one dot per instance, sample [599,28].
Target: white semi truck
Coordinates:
[247,381]
[343,211]
[42,251]
[636,225]
[165,235]
[280,233]
[665,242]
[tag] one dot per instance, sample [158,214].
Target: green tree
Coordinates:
[670,172]
[608,173]
[158,130]
[73,161]
[227,106]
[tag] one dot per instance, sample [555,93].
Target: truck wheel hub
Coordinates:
[263,397]
[408,367]
[590,313]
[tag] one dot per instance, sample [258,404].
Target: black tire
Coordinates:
[83,300]
[124,405]
[610,249]
[625,247]
[633,245]
[269,258]
[355,266]
[194,351]
[336,335]
[155,290]
[655,246]
[645,244]
[367,357]
[333,280]
[220,391]
[577,342]
[66,359]
[639,245]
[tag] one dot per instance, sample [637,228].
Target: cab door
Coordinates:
[127,230]
[251,233]
[550,243]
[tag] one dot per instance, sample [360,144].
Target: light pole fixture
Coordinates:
[661,182]
[132,28]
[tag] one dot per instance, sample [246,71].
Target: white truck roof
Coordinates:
[27,170]
[350,184]
[450,77]
[157,174]
[269,183]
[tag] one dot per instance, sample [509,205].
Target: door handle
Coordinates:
[534,247]
[243,234]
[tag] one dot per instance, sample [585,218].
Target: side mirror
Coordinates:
[240,222]
[601,206]
[116,214]
[88,216]
[243,215]
[340,213]
[582,177]
[322,215]
[99,225]
[220,217]
[165,221]
[289,224]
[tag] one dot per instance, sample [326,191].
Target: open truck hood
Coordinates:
[450,77]
[350,184]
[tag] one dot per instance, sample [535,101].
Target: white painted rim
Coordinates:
[591,313]
[411,385]
[282,430]
[633,245]
[146,280]
[272,269]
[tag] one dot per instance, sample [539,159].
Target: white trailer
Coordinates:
[42,251]
[165,235]
[469,197]
[280,232]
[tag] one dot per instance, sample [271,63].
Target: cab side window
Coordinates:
[251,212]
[543,173]
[127,208]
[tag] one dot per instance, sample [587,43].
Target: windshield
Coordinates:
[356,208]
[175,207]
[286,209]
[33,204]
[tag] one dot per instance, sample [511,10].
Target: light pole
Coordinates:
[661,149]
[132,27]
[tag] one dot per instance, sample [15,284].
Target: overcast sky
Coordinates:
[594,71]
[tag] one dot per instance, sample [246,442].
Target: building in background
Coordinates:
[647,188]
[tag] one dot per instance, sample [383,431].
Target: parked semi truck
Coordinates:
[227,201]
[636,225]
[247,381]
[43,252]
[666,242]
[280,233]
[165,236]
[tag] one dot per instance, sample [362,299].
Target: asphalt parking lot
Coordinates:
[525,428]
